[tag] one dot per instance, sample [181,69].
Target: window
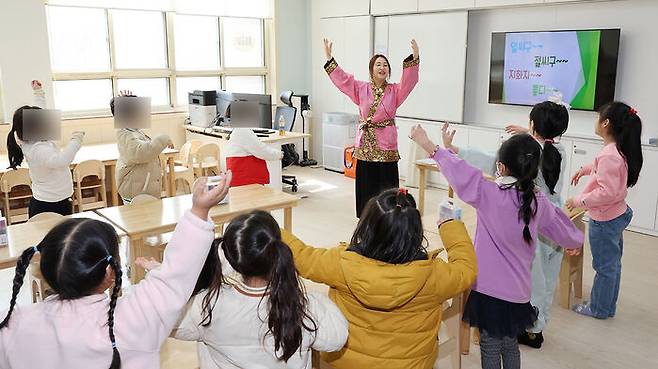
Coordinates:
[245,84]
[156,88]
[93,94]
[95,53]
[140,40]
[75,51]
[197,42]
[243,40]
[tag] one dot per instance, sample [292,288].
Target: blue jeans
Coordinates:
[545,272]
[607,242]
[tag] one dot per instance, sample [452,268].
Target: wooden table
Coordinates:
[26,235]
[158,217]
[288,137]
[108,154]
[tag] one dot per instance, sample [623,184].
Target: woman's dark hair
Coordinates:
[252,245]
[521,156]
[550,120]
[13,150]
[626,128]
[372,62]
[74,258]
[390,229]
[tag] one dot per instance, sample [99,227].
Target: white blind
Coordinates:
[229,8]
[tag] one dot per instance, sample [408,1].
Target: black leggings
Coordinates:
[64,207]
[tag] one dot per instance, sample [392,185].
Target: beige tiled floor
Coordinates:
[629,340]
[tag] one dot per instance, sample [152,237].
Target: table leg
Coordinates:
[287,219]
[421,190]
[113,185]
[465,333]
[136,273]
[172,176]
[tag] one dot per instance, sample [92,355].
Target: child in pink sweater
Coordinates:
[80,327]
[616,168]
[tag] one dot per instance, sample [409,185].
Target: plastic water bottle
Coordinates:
[282,126]
[3,231]
[449,210]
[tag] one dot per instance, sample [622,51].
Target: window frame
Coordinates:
[170,72]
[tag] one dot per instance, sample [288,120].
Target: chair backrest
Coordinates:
[142,199]
[14,178]
[289,114]
[89,168]
[208,150]
[188,150]
[45,216]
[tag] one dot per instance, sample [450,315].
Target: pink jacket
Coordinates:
[605,192]
[73,334]
[360,92]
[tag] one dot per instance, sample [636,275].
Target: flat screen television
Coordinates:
[530,67]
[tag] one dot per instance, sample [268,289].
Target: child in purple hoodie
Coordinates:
[511,212]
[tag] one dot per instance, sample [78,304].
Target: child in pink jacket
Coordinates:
[615,168]
[80,327]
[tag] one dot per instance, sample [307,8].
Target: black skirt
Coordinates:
[499,318]
[371,179]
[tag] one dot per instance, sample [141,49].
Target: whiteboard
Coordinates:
[441,37]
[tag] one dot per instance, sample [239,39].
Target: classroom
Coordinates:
[310,184]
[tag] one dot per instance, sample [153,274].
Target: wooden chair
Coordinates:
[571,271]
[84,183]
[40,289]
[16,190]
[451,326]
[187,151]
[182,173]
[207,160]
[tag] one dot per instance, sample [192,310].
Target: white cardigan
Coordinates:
[234,339]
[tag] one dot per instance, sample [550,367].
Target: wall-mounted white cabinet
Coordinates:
[582,153]
[484,139]
[643,197]
[342,8]
[438,5]
[387,7]
[496,3]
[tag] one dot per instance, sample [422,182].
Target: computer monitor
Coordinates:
[251,110]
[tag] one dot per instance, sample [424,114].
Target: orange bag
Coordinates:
[350,162]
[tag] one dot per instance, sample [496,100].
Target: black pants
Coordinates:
[371,179]
[64,207]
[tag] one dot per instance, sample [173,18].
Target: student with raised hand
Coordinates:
[79,326]
[260,316]
[548,122]
[614,169]
[139,170]
[388,286]
[511,213]
[50,166]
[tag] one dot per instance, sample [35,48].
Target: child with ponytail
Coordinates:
[260,316]
[511,212]
[389,286]
[79,327]
[548,121]
[52,184]
[615,168]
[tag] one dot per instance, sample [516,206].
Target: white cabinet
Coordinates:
[405,145]
[436,5]
[461,139]
[386,7]
[582,153]
[643,197]
[342,8]
[484,139]
[496,3]
[568,152]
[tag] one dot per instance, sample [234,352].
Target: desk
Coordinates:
[108,154]
[274,167]
[423,166]
[157,217]
[25,235]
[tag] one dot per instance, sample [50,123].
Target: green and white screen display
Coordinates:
[530,67]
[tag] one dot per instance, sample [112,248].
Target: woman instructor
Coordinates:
[377,138]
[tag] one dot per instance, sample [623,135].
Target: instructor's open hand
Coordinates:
[414,48]
[328,45]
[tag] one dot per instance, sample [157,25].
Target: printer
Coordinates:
[202,107]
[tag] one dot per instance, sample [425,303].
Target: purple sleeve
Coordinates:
[557,226]
[465,180]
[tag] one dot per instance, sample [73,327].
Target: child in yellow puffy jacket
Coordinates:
[388,286]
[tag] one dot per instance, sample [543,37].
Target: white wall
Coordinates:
[638,54]
[24,53]
[293,39]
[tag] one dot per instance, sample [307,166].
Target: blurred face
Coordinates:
[380,69]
